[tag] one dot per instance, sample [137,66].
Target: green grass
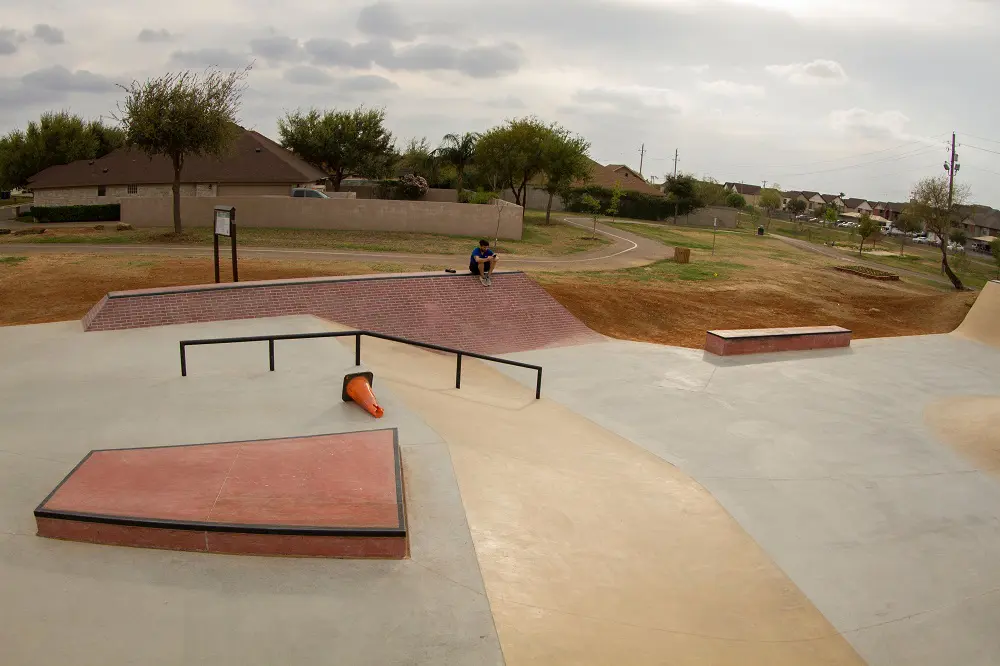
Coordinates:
[665,235]
[538,240]
[667,270]
[12,261]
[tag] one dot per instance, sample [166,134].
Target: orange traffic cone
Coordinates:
[358,387]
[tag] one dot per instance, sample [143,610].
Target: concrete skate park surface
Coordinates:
[656,506]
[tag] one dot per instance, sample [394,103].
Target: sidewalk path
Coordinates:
[627,250]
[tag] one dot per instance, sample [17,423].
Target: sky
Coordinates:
[853,96]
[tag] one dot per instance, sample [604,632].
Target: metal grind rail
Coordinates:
[270,340]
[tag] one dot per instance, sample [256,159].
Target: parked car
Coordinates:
[308,193]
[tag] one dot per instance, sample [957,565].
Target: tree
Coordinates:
[594,206]
[736,200]
[933,203]
[55,138]
[770,201]
[753,213]
[831,215]
[797,206]
[616,199]
[459,151]
[420,160]
[908,224]
[513,153]
[958,237]
[564,161]
[181,115]
[340,142]
[682,191]
[710,192]
[867,227]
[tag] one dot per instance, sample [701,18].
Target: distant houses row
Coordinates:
[815,201]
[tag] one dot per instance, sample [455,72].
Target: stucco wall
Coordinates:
[249,190]
[536,198]
[346,214]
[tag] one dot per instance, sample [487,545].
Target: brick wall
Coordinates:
[76,196]
[515,314]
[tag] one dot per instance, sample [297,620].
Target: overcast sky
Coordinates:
[856,96]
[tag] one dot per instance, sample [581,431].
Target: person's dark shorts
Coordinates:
[474,268]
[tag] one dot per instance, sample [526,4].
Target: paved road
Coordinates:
[627,250]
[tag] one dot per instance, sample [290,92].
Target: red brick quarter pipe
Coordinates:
[515,314]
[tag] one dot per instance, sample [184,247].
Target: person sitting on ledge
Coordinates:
[483,262]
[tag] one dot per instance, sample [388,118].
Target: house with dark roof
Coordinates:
[254,166]
[859,206]
[600,175]
[888,210]
[749,192]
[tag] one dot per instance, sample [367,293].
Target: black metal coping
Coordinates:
[238,528]
[292,283]
[784,334]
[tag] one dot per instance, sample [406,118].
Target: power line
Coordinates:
[920,151]
[981,138]
[985,150]
[979,168]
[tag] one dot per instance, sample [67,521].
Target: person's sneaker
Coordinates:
[489,281]
[482,279]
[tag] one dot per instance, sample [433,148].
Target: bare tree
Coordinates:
[932,203]
[181,115]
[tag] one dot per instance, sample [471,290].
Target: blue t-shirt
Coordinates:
[480,252]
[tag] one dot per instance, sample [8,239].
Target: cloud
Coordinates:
[817,72]
[307,75]
[209,57]
[325,51]
[383,19]
[368,83]
[869,124]
[731,89]
[481,62]
[9,39]
[627,100]
[49,34]
[508,102]
[60,79]
[277,48]
[150,36]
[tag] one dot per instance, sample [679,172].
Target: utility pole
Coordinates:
[642,155]
[765,185]
[676,153]
[952,168]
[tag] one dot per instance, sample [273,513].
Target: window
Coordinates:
[298,193]
[102,190]
[133,189]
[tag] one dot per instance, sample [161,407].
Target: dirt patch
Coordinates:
[679,313]
[44,288]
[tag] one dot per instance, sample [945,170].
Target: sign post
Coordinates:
[225,225]
[715,230]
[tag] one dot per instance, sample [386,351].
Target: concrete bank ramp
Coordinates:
[455,310]
[982,324]
[593,550]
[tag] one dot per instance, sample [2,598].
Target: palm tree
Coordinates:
[459,152]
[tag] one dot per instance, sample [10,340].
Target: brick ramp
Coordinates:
[515,314]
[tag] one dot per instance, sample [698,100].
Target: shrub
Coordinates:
[632,205]
[479,196]
[95,213]
[412,187]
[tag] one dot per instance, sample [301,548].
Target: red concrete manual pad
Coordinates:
[322,496]
[770,340]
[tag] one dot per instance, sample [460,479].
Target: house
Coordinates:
[833,200]
[749,192]
[888,210]
[600,175]
[982,224]
[814,200]
[859,206]
[788,197]
[255,165]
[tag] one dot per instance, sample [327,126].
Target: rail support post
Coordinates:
[538,386]
[270,352]
[357,349]
[184,365]
[458,372]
